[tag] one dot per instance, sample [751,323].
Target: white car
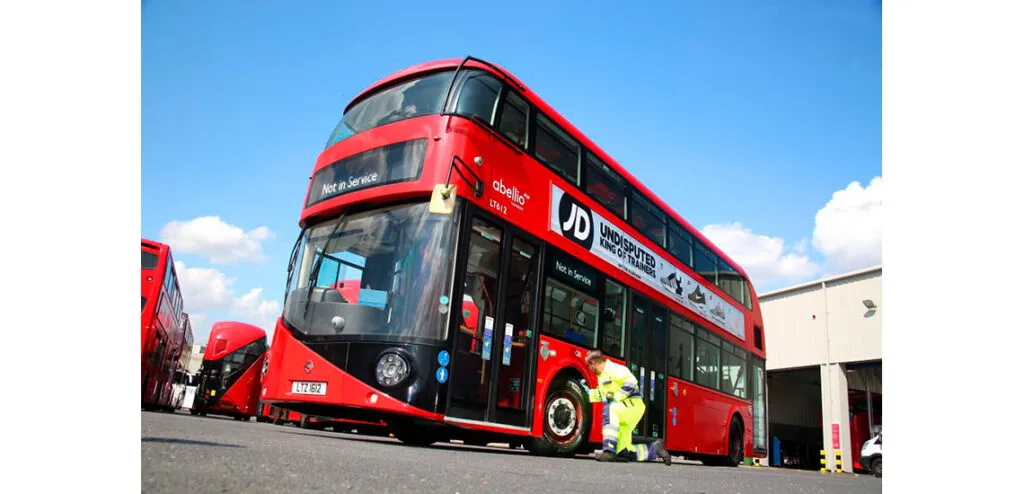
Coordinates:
[871,455]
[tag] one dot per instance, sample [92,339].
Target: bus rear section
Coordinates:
[229,377]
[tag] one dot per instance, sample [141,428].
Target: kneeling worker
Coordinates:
[623,409]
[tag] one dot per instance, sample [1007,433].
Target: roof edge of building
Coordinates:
[818,282]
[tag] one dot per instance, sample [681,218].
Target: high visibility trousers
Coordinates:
[618,421]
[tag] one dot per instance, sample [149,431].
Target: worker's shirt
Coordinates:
[616,383]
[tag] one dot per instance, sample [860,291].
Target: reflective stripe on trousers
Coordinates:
[618,421]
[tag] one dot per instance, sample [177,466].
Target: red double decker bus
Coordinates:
[162,324]
[184,354]
[452,181]
[229,377]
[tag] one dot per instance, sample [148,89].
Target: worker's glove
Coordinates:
[619,396]
[592,394]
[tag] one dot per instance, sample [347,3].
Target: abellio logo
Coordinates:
[576,221]
[513,193]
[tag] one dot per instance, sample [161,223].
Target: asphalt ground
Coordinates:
[184,453]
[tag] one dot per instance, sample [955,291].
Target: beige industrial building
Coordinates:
[824,366]
[195,360]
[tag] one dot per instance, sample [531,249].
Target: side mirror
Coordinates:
[442,200]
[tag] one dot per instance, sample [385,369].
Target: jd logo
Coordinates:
[576,221]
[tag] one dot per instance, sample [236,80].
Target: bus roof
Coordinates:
[236,334]
[152,244]
[563,122]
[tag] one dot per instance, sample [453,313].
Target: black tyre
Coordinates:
[566,420]
[735,444]
[278,417]
[734,454]
[305,423]
[876,467]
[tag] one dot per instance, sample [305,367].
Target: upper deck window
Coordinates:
[149,260]
[730,281]
[680,243]
[557,149]
[647,218]
[478,95]
[412,98]
[705,262]
[512,123]
[606,186]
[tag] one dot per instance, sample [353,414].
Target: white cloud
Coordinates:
[203,289]
[848,230]
[216,240]
[206,290]
[257,311]
[764,258]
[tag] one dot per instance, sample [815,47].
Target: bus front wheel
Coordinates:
[566,420]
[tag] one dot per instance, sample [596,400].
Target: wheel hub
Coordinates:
[561,417]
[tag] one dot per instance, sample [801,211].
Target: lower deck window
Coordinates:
[570,314]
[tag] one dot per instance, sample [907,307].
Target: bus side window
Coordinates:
[512,120]
[478,96]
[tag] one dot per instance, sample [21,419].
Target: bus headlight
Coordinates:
[392,369]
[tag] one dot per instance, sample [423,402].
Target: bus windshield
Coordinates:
[381,274]
[413,98]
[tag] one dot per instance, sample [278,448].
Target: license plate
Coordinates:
[309,388]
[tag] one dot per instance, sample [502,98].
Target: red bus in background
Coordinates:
[229,377]
[162,324]
[181,377]
[452,181]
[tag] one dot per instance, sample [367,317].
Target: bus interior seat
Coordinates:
[332,296]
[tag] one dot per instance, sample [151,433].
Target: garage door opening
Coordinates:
[794,418]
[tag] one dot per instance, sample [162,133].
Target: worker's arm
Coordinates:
[627,385]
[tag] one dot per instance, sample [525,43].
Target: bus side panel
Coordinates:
[679,417]
[712,412]
[245,392]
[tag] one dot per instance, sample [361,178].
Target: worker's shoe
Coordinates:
[659,448]
[606,456]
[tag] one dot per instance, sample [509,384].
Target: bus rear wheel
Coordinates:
[566,420]
[734,454]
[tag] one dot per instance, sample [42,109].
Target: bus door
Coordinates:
[493,332]
[646,360]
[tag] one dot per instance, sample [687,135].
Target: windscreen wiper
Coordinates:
[291,263]
[314,273]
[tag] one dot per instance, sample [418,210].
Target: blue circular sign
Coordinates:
[444,300]
[442,375]
[443,358]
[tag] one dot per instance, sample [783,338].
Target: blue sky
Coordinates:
[751,120]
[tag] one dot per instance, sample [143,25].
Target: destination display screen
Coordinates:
[389,164]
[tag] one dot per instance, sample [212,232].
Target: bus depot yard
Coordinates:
[458,259]
[184,453]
